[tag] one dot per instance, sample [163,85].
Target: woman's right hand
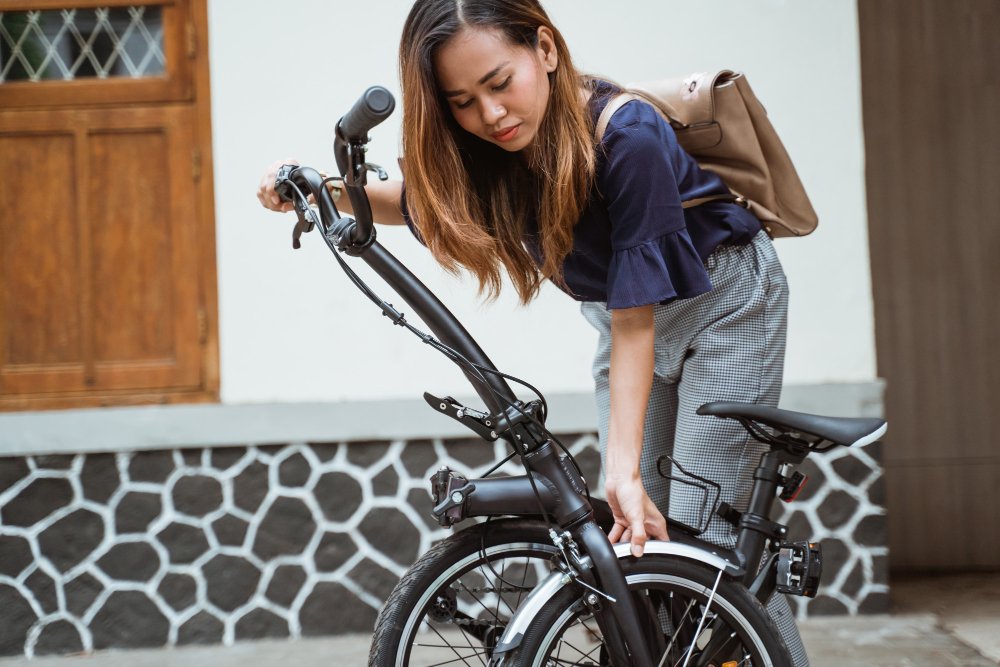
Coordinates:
[268,198]
[636,517]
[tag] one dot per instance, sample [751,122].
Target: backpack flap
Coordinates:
[790,206]
[719,122]
[688,102]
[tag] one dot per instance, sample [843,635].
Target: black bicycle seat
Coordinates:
[846,431]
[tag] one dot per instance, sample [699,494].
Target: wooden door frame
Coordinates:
[197,94]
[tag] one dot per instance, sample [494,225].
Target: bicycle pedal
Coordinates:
[800,566]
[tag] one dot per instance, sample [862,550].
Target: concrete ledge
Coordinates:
[165,427]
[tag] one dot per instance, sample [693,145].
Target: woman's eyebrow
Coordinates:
[489,75]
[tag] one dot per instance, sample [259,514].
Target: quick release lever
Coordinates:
[479,422]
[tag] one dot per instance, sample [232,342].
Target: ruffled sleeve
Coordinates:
[653,257]
[657,271]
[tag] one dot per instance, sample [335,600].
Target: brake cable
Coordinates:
[478,371]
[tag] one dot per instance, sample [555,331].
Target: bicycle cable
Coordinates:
[477,371]
[461,360]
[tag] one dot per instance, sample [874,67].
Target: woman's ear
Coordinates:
[547,49]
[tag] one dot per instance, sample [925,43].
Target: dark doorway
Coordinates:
[931,91]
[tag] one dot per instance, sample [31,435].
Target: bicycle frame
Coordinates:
[568,508]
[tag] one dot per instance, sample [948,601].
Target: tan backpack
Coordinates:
[721,124]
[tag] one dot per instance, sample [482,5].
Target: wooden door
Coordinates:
[107,274]
[931,92]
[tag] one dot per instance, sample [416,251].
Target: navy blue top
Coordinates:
[635,244]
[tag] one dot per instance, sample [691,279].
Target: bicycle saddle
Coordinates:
[847,431]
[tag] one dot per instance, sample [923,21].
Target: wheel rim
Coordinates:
[574,639]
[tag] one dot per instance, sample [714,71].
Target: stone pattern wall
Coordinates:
[216,545]
[842,507]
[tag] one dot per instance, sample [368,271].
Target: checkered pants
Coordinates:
[726,345]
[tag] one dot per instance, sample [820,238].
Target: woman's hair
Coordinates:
[470,198]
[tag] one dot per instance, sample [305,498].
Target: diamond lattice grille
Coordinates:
[68,44]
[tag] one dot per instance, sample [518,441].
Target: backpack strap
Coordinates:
[616,103]
[613,105]
[729,196]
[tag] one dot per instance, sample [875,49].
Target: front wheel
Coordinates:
[453,604]
[685,622]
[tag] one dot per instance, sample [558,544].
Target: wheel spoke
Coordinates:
[524,578]
[676,628]
[571,646]
[476,598]
[453,649]
[452,662]
[499,587]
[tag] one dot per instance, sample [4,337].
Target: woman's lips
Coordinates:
[506,135]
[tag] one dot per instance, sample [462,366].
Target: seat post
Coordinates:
[755,522]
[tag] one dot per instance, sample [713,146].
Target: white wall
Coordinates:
[293,328]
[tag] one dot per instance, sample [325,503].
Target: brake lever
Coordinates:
[306,218]
[305,224]
[383,175]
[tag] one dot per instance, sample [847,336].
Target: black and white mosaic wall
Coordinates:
[219,545]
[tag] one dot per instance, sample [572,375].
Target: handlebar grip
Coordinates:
[374,106]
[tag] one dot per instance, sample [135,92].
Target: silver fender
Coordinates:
[553,583]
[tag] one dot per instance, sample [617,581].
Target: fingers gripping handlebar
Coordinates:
[351,235]
[293,180]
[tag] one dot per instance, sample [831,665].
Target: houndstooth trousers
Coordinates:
[725,345]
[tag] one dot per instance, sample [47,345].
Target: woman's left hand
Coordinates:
[630,378]
[636,518]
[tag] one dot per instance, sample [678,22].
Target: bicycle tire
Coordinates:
[419,604]
[668,586]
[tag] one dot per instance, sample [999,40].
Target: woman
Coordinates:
[502,175]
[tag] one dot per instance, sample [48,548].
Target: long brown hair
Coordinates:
[469,198]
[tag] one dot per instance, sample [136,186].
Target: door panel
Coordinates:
[141,208]
[931,95]
[130,235]
[40,327]
[114,293]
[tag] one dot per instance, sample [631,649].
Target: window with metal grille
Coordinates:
[69,44]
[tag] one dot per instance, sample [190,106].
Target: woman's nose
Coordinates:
[493,112]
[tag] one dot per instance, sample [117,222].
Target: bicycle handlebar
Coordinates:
[356,237]
[351,135]
[373,107]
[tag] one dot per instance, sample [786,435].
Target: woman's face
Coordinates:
[497,90]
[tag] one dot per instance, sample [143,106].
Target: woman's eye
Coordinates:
[506,82]
[464,105]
